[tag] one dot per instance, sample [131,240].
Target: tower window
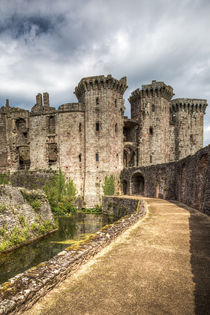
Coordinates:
[80,157]
[97,100]
[97,126]
[151,131]
[150,158]
[116,128]
[80,127]
[153,108]
[97,157]
[115,103]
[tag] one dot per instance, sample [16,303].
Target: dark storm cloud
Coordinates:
[51,45]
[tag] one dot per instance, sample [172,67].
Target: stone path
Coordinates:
[159,266]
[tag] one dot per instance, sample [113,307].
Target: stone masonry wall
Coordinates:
[119,206]
[187,180]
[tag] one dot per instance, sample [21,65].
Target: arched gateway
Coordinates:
[137,182]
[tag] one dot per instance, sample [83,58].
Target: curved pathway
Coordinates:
[161,265]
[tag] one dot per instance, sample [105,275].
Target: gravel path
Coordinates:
[161,265]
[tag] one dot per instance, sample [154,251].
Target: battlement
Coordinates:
[189,104]
[155,89]
[100,82]
[71,107]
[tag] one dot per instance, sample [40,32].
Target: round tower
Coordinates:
[150,106]
[104,108]
[187,117]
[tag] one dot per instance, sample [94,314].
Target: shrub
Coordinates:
[108,186]
[61,194]
[33,199]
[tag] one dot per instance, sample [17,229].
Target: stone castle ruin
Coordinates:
[92,139]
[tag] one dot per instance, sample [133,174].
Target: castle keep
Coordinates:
[92,139]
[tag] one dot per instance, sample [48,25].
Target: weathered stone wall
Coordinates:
[14,138]
[22,213]
[22,291]
[103,146]
[150,107]
[119,206]
[71,146]
[30,179]
[187,180]
[188,118]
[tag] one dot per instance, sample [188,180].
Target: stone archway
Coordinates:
[137,184]
[125,187]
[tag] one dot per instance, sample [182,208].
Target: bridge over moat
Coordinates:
[161,265]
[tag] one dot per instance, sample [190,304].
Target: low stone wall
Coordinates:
[30,179]
[119,206]
[22,291]
[187,180]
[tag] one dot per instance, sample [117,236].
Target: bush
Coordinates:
[61,194]
[33,199]
[108,186]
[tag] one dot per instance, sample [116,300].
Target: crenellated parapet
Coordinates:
[100,82]
[189,105]
[71,107]
[155,89]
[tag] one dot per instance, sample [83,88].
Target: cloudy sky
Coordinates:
[49,45]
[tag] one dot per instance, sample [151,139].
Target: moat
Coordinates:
[71,229]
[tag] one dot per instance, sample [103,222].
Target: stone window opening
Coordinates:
[80,157]
[51,124]
[151,131]
[97,157]
[97,126]
[25,134]
[150,158]
[153,108]
[80,127]
[116,128]
[115,103]
[97,100]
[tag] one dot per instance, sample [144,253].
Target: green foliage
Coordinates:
[20,234]
[33,199]
[108,186]
[34,227]
[61,194]
[4,179]
[2,231]
[22,220]
[46,226]
[3,208]
[96,209]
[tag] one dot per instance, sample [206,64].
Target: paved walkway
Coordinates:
[159,266]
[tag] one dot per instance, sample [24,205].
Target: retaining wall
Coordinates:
[187,180]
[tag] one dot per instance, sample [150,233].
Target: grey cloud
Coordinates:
[50,45]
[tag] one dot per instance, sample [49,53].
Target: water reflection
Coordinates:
[70,228]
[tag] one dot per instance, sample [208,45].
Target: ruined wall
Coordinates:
[187,180]
[70,130]
[14,138]
[103,145]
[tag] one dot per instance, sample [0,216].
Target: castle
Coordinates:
[92,139]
